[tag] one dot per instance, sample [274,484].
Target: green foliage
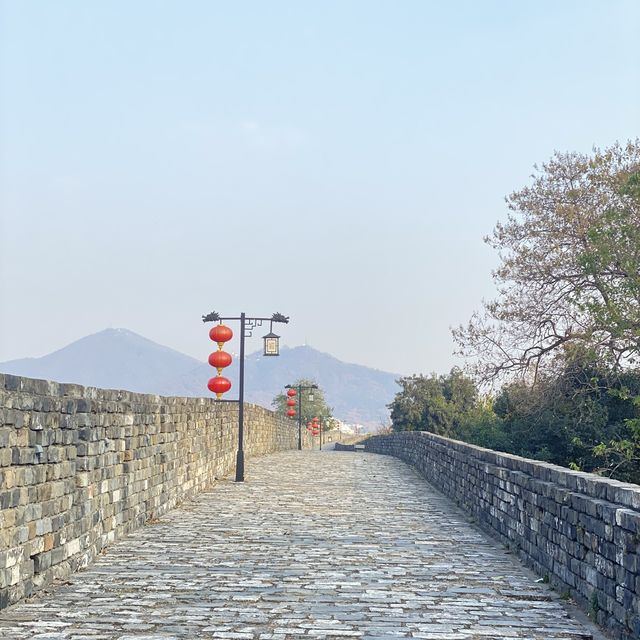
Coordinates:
[611,257]
[439,404]
[481,426]
[620,455]
[310,408]
[586,417]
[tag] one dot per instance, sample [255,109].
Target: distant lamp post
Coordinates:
[219,385]
[294,390]
[323,428]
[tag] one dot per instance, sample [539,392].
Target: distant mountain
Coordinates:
[121,359]
[113,358]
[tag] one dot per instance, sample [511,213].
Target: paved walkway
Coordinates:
[313,545]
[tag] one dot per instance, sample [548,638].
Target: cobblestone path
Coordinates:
[313,545]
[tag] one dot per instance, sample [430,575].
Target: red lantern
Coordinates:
[291,402]
[291,413]
[219,360]
[219,385]
[221,334]
[292,392]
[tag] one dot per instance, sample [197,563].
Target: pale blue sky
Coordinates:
[338,162]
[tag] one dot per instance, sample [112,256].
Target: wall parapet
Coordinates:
[578,529]
[80,467]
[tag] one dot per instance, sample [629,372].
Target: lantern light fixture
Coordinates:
[219,360]
[219,385]
[221,334]
[271,344]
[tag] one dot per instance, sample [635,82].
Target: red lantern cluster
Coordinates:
[291,402]
[220,359]
[314,427]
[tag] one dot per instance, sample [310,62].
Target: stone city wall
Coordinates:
[579,530]
[80,467]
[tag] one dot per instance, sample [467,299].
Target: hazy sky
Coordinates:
[338,162]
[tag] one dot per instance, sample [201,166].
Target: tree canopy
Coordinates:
[561,341]
[584,416]
[310,408]
[438,404]
[569,276]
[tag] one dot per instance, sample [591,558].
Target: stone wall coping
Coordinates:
[591,484]
[40,387]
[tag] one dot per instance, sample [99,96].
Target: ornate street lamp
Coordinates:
[219,384]
[292,391]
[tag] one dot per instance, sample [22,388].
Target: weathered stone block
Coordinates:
[628,519]
[41,562]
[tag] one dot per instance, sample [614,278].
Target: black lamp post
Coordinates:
[322,427]
[271,348]
[300,388]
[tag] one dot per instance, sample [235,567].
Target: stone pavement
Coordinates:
[312,545]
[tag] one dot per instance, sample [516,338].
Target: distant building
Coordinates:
[351,428]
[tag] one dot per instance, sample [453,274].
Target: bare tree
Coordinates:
[570,268]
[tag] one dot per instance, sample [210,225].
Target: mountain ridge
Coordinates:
[123,359]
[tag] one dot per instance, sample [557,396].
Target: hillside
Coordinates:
[121,359]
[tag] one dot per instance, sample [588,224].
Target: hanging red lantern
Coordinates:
[221,334]
[220,360]
[219,385]
[291,413]
[291,402]
[292,392]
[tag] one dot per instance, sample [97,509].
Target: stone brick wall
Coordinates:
[580,530]
[80,467]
